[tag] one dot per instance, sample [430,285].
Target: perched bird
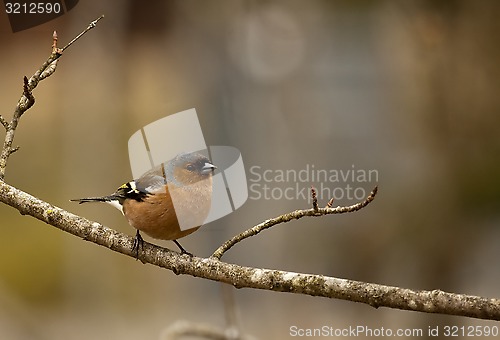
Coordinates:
[168,202]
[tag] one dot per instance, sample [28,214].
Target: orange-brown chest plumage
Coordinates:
[176,210]
[156,218]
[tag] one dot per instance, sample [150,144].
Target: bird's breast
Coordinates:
[171,215]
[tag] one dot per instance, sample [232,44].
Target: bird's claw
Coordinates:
[138,243]
[183,251]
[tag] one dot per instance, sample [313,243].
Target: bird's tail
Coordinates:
[94,199]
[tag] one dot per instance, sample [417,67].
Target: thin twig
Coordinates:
[4,122]
[295,215]
[27,99]
[54,41]
[14,149]
[89,27]
[314,199]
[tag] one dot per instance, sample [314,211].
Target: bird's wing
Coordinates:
[151,182]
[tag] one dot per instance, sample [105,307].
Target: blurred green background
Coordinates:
[409,89]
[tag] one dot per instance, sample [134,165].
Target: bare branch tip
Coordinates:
[54,42]
[89,27]
[14,149]
[94,23]
[372,195]
[4,122]
[314,199]
[330,202]
[26,87]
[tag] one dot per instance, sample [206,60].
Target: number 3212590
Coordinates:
[32,8]
[470,331]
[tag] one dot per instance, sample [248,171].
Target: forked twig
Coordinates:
[314,199]
[294,215]
[27,99]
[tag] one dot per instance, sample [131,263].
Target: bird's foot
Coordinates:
[183,251]
[138,243]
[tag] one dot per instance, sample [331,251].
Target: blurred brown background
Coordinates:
[407,88]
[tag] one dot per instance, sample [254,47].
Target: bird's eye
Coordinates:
[190,167]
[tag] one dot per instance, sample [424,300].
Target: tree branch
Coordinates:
[294,215]
[27,99]
[375,295]
[213,268]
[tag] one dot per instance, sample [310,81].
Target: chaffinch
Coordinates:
[167,202]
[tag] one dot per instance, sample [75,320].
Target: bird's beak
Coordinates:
[207,168]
